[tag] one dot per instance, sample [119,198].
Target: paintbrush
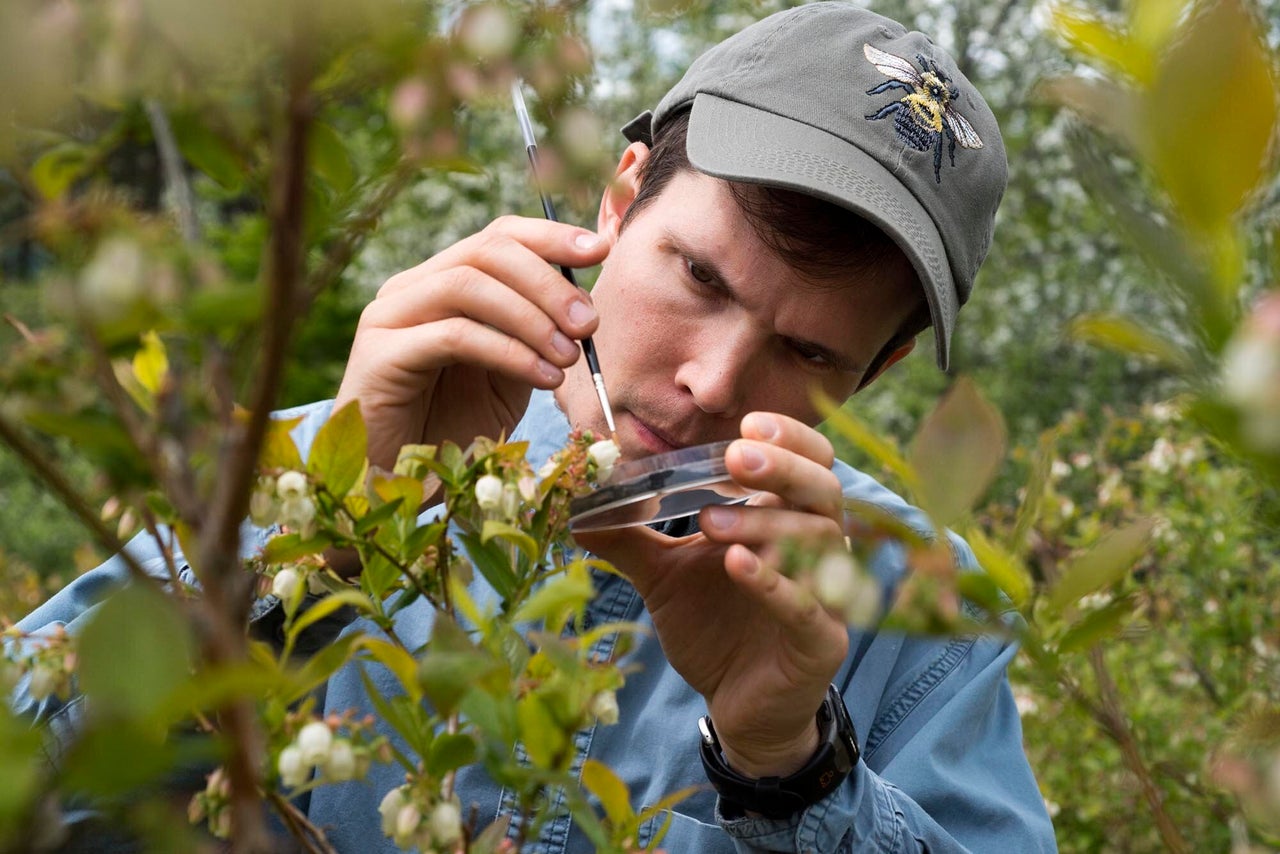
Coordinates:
[588,347]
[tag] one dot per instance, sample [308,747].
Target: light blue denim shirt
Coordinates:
[942,766]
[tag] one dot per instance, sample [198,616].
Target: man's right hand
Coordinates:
[451,349]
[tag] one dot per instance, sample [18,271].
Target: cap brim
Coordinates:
[741,143]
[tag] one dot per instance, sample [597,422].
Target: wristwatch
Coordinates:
[780,797]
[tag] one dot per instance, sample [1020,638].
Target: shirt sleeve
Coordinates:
[943,770]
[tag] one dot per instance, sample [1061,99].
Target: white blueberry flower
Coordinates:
[293,769]
[390,807]
[488,31]
[45,681]
[341,764]
[489,492]
[604,453]
[528,488]
[841,584]
[446,823]
[263,507]
[218,785]
[548,468]
[604,706]
[315,741]
[291,484]
[298,514]
[510,501]
[113,280]
[406,827]
[1251,374]
[220,823]
[285,584]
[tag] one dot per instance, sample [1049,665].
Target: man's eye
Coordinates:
[811,357]
[699,274]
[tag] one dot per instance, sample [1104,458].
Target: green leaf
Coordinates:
[449,752]
[446,677]
[377,516]
[287,548]
[1130,338]
[1097,625]
[19,775]
[330,159]
[1037,486]
[218,685]
[1210,117]
[206,151]
[1110,558]
[1103,104]
[600,781]
[569,592]
[398,661]
[338,453]
[492,563]
[109,760]
[58,168]
[511,534]
[135,650]
[543,739]
[957,452]
[326,606]
[278,448]
[1002,567]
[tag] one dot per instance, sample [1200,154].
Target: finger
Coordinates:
[460,340]
[798,480]
[809,627]
[465,291]
[784,431]
[759,526]
[520,252]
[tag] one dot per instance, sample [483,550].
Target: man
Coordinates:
[787,217]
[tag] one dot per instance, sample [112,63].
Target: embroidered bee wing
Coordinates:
[961,129]
[892,66]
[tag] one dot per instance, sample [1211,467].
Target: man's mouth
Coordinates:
[653,439]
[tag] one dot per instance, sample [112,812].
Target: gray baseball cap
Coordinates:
[846,105]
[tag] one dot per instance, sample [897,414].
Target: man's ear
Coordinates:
[896,355]
[621,191]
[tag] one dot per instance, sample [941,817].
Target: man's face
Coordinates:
[700,323]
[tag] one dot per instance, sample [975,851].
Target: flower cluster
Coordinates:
[286,499]
[438,827]
[1251,375]
[317,746]
[213,804]
[49,666]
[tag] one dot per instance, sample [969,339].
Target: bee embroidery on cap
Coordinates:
[926,114]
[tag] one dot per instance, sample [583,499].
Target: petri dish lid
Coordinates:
[659,488]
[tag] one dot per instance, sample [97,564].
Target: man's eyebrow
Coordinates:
[708,265]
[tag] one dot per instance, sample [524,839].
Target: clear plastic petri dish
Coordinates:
[659,488]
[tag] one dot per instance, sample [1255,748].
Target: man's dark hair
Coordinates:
[824,243]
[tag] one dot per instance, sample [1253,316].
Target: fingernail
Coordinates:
[562,345]
[766,427]
[550,371]
[752,459]
[586,240]
[581,314]
[721,517]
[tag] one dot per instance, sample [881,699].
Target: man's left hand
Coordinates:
[757,645]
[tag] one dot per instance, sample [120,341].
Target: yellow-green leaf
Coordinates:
[511,534]
[278,448]
[1210,117]
[1105,563]
[324,608]
[856,431]
[338,453]
[1104,104]
[151,362]
[1101,41]
[600,781]
[330,158]
[400,488]
[956,452]
[55,170]
[543,740]
[1130,338]
[1001,566]
[398,661]
[550,602]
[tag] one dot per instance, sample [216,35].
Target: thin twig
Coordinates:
[310,836]
[69,496]
[178,187]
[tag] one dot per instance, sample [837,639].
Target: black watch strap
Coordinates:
[780,797]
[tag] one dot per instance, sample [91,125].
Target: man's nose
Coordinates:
[717,370]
